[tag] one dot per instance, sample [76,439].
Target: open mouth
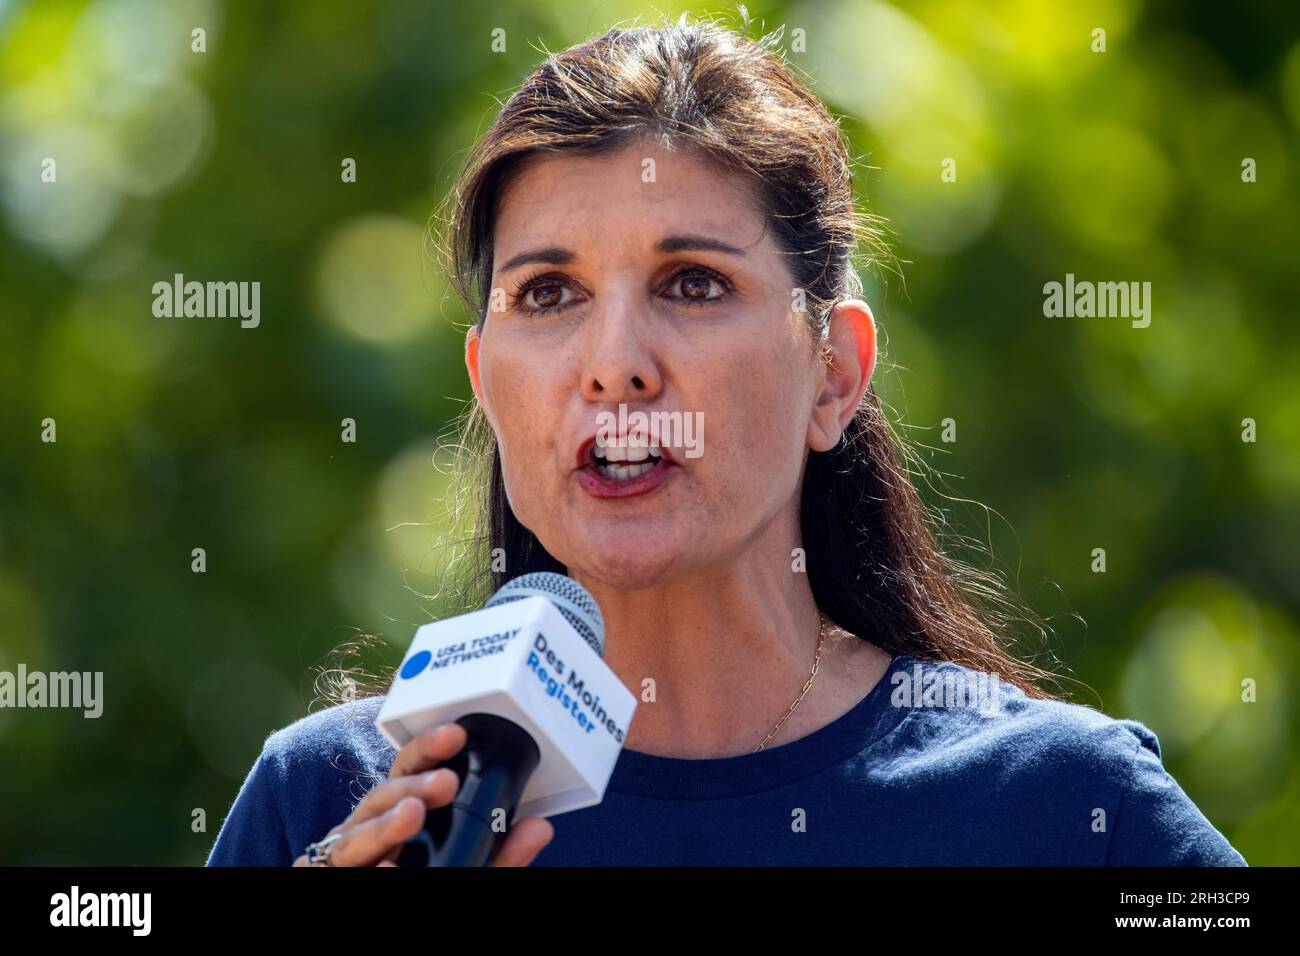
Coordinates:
[624,463]
[623,468]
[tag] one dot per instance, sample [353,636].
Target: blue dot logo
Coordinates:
[415,664]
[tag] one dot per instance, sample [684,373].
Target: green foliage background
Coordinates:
[182,433]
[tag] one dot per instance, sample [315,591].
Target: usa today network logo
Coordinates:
[456,653]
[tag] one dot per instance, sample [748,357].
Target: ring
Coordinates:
[318,853]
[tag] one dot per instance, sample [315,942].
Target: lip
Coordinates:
[598,486]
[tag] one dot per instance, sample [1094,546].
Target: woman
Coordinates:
[662,220]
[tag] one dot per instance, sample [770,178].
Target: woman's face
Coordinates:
[656,287]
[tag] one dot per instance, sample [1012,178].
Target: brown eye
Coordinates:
[698,287]
[695,287]
[545,296]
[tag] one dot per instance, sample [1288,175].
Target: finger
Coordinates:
[367,843]
[526,839]
[435,787]
[427,750]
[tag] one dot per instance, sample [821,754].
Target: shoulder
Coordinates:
[307,778]
[954,706]
[1052,754]
[342,737]
[332,755]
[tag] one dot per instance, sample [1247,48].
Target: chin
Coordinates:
[629,563]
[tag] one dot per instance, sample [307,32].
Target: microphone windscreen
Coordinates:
[570,598]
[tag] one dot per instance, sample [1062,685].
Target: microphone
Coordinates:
[544,715]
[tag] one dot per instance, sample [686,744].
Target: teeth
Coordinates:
[624,472]
[627,452]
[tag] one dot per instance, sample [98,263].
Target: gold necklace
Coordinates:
[821,635]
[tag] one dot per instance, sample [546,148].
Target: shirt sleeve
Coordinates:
[1156,823]
[253,833]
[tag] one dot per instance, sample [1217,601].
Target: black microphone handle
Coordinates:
[494,766]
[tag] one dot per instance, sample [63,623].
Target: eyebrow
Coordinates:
[559,256]
[552,255]
[691,243]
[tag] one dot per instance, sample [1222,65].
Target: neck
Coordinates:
[717,656]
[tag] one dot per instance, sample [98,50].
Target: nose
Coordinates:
[620,365]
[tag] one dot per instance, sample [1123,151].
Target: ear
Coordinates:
[471,360]
[852,346]
[472,340]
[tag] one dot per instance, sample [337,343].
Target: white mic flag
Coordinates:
[520,658]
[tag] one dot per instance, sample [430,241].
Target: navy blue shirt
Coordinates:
[892,782]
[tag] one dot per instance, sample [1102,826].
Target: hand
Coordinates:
[393,811]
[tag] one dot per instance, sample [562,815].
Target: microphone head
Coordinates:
[569,597]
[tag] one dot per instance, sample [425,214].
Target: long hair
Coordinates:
[871,555]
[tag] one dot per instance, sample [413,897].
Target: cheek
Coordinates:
[529,385]
[759,407]
[515,390]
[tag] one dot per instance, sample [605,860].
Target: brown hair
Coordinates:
[871,556]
